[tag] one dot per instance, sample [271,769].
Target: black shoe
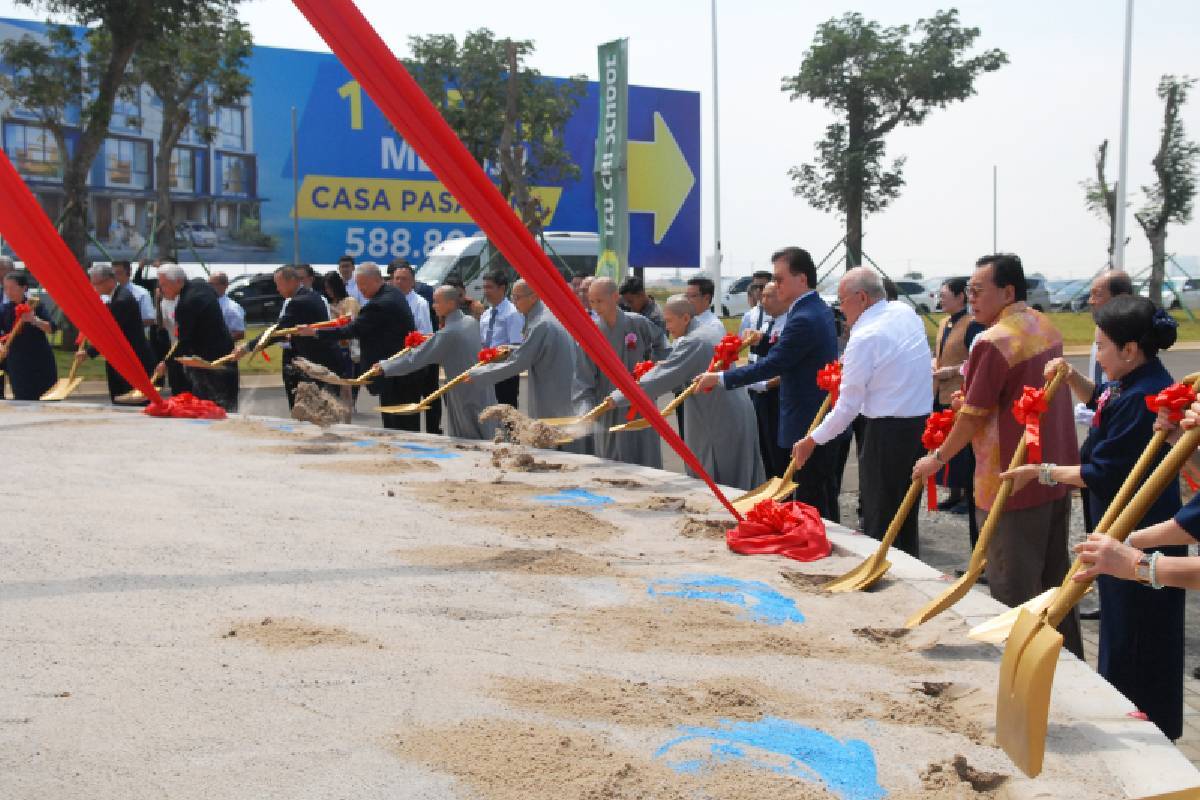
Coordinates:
[950,502]
[1091,615]
[960,509]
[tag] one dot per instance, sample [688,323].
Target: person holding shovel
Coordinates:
[1141,630]
[25,354]
[126,310]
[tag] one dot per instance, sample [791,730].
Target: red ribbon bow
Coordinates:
[489,354]
[186,406]
[937,428]
[416,339]
[639,369]
[21,310]
[829,379]
[1174,399]
[1027,410]
[789,529]
[725,355]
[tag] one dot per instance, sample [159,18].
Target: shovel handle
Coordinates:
[450,384]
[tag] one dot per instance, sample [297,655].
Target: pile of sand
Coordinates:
[315,405]
[517,460]
[522,560]
[315,371]
[561,522]
[291,633]
[956,778]
[513,426]
[695,528]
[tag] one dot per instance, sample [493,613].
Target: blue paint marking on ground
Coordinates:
[760,601]
[573,497]
[200,422]
[286,428]
[424,451]
[362,443]
[845,768]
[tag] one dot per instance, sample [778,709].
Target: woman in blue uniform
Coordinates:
[1141,630]
[29,363]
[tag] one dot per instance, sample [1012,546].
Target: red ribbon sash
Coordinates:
[1027,410]
[1174,399]
[937,428]
[829,379]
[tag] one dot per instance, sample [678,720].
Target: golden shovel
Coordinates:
[641,423]
[1031,655]
[996,629]
[778,488]
[63,387]
[876,565]
[567,422]
[196,362]
[417,408]
[960,587]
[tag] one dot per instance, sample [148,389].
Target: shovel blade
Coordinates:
[638,424]
[404,408]
[559,422]
[1023,700]
[62,389]
[784,491]
[998,628]
[861,577]
[957,591]
[756,495]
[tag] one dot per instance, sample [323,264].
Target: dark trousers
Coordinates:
[217,385]
[433,417]
[394,391]
[766,409]
[890,448]
[508,391]
[818,481]
[1027,555]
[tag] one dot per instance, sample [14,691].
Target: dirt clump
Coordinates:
[622,483]
[806,582]
[517,460]
[315,371]
[521,560]
[956,773]
[881,635]
[315,405]
[562,522]
[292,633]
[695,528]
[513,426]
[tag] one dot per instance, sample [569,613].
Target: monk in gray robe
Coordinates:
[547,353]
[456,348]
[634,338]
[722,429]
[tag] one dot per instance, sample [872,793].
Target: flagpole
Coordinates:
[1122,170]
[718,291]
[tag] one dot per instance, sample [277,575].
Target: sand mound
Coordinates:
[513,426]
[315,371]
[315,405]
[557,523]
[528,561]
[623,483]
[380,466]
[517,460]
[957,774]
[693,528]
[670,504]
[256,429]
[507,760]
[807,583]
[291,633]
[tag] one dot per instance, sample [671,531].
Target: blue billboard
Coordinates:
[362,190]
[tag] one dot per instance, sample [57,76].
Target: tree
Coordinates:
[1102,198]
[510,118]
[1169,198]
[71,84]
[874,79]
[192,73]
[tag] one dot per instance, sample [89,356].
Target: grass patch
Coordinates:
[93,369]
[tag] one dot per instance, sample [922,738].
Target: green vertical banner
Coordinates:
[612,173]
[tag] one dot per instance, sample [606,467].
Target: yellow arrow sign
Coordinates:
[660,179]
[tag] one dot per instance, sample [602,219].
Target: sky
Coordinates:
[1038,120]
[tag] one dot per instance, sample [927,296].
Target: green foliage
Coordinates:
[875,78]
[1170,198]
[468,84]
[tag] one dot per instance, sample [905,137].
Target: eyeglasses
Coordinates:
[976,288]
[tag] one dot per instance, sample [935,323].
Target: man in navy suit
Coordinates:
[807,343]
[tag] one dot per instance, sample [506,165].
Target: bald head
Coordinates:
[677,314]
[602,297]
[369,278]
[772,300]
[1108,285]
[446,300]
[523,297]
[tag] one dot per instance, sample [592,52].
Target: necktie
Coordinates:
[758,324]
[491,327]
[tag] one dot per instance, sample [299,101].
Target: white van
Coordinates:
[573,254]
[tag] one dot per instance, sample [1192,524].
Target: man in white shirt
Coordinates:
[885,377]
[345,268]
[501,325]
[122,270]
[753,318]
[770,319]
[405,279]
[235,315]
[699,293]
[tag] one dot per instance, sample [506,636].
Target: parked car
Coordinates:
[915,293]
[1037,296]
[259,297]
[1068,295]
[195,234]
[1174,290]
[735,301]
[464,257]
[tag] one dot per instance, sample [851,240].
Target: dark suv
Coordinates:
[259,297]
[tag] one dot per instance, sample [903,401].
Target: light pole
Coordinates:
[718,292]
[1123,164]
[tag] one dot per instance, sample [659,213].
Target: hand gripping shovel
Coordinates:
[1031,655]
[979,555]
[417,408]
[778,488]
[568,422]
[63,387]
[996,629]
[641,423]
[135,396]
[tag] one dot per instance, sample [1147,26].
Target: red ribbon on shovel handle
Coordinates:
[937,428]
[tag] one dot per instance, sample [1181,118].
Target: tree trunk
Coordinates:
[1158,265]
[164,237]
[856,131]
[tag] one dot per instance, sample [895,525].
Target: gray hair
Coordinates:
[104,271]
[866,280]
[678,304]
[369,268]
[450,292]
[5,261]
[172,272]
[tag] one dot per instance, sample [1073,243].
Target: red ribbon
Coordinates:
[1027,410]
[401,100]
[725,355]
[829,379]
[489,354]
[19,310]
[1174,399]
[639,369]
[789,529]
[185,406]
[336,322]
[1191,481]
[416,339]
[937,428]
